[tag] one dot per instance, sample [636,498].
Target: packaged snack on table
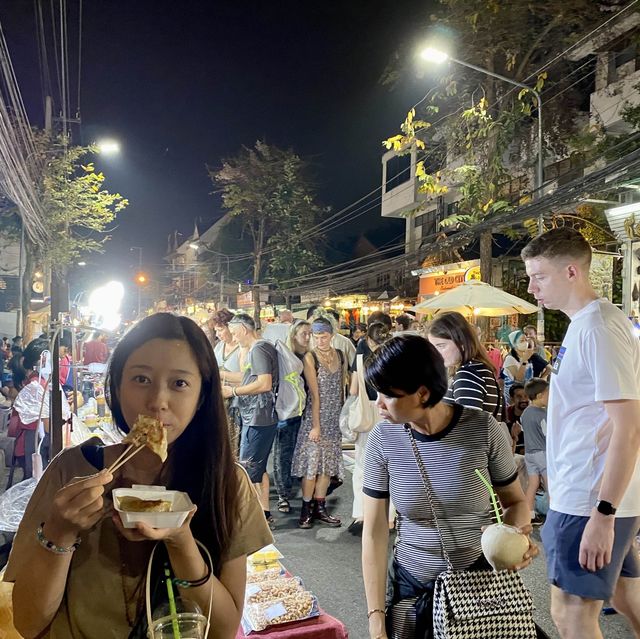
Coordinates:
[264,591]
[296,607]
[265,556]
[264,572]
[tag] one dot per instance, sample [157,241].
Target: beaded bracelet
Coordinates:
[51,547]
[186,583]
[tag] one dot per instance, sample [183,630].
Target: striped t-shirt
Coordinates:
[473,439]
[474,385]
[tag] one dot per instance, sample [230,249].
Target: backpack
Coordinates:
[290,395]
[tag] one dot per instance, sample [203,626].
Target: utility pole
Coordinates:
[138,284]
[59,305]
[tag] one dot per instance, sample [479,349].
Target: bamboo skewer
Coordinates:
[118,464]
[124,453]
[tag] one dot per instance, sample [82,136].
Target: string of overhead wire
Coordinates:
[352,211]
[330,224]
[562,54]
[18,150]
[619,170]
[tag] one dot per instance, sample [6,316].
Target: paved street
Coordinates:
[328,559]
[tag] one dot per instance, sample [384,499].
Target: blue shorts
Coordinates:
[561,537]
[255,446]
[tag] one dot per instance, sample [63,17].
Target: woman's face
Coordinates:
[323,340]
[302,338]
[522,343]
[161,379]
[223,333]
[448,349]
[403,409]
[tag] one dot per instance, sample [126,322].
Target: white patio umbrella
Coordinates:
[476,298]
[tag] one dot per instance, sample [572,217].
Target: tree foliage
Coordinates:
[79,209]
[269,191]
[487,127]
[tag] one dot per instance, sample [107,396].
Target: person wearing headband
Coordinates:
[318,453]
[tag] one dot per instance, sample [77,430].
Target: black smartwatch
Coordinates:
[605,507]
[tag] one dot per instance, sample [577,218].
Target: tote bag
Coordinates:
[363,414]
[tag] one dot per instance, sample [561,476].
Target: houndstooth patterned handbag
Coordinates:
[479,604]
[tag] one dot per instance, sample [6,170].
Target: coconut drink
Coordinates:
[504,546]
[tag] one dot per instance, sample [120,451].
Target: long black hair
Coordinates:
[24,365]
[201,461]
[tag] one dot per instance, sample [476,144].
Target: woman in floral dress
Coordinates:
[318,453]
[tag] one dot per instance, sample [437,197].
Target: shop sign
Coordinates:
[245,299]
[445,280]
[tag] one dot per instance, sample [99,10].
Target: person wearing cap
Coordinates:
[256,396]
[522,363]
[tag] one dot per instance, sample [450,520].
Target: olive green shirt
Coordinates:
[107,571]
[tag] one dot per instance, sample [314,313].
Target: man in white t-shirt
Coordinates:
[593,439]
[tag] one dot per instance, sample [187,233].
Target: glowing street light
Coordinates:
[429,54]
[108,147]
[104,305]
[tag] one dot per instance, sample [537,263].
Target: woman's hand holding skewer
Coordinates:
[77,507]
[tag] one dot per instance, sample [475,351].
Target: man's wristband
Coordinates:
[234,392]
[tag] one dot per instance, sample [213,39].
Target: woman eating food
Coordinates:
[77,571]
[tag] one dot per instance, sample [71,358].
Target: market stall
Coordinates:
[277,604]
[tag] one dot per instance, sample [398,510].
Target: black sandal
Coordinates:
[283,505]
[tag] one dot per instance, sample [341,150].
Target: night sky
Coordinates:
[183,84]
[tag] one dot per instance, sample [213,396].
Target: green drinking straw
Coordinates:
[493,495]
[172,603]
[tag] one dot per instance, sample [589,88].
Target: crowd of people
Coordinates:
[449,409]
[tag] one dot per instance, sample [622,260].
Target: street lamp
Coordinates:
[431,54]
[108,147]
[139,249]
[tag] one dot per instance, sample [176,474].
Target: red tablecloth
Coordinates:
[323,627]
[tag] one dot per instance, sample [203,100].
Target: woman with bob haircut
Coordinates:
[473,381]
[77,571]
[452,441]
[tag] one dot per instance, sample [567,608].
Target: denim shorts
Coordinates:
[561,537]
[255,446]
[536,463]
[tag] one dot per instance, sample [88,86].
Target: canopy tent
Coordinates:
[476,298]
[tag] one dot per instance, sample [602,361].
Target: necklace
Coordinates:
[326,358]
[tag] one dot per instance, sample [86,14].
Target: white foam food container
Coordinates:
[181,505]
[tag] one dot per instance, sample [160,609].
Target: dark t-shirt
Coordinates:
[259,410]
[512,418]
